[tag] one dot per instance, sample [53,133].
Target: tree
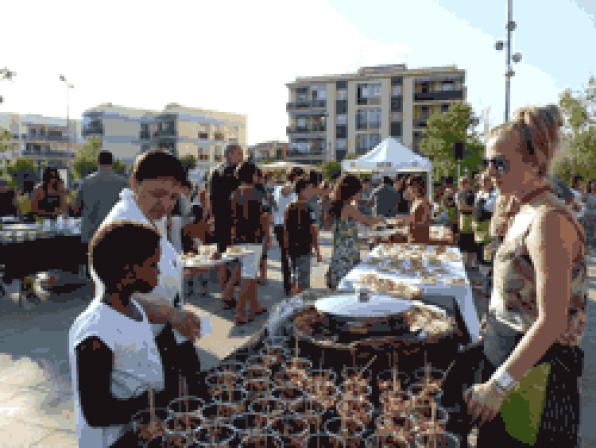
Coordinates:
[120,167]
[85,161]
[22,170]
[331,170]
[188,162]
[578,134]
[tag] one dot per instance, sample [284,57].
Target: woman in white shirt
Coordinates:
[114,360]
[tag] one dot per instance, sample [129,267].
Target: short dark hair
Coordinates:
[417,182]
[105,158]
[186,184]
[231,148]
[110,250]
[294,172]
[246,171]
[301,185]
[387,180]
[315,177]
[156,164]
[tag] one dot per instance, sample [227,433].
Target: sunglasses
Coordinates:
[500,164]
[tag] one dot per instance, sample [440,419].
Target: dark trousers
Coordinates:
[285,262]
[179,361]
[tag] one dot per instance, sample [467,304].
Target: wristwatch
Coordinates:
[504,383]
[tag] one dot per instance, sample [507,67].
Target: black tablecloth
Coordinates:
[65,252]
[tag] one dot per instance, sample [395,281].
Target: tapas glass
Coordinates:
[435,376]
[361,409]
[300,363]
[268,407]
[387,441]
[321,440]
[311,410]
[326,393]
[323,376]
[355,373]
[288,394]
[141,424]
[252,372]
[249,423]
[215,435]
[219,380]
[385,380]
[218,412]
[349,430]
[257,388]
[394,424]
[430,439]
[356,389]
[233,397]
[423,391]
[187,408]
[273,362]
[293,430]
[179,432]
[268,440]
[422,417]
[394,401]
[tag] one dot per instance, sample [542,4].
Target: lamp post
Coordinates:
[68,87]
[517,57]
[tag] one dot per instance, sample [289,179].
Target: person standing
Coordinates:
[155,185]
[262,186]
[111,382]
[250,227]
[49,198]
[301,235]
[465,206]
[385,199]
[346,253]
[97,195]
[222,184]
[8,203]
[364,204]
[421,211]
[283,195]
[403,205]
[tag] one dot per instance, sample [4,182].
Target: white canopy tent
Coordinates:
[390,157]
[283,165]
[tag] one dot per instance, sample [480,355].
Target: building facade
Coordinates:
[184,131]
[333,116]
[274,150]
[47,141]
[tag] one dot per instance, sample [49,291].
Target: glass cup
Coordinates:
[264,440]
[356,389]
[322,440]
[354,373]
[292,430]
[258,387]
[397,424]
[326,393]
[435,376]
[288,394]
[218,413]
[146,430]
[300,363]
[323,376]
[394,401]
[387,441]
[385,380]
[256,371]
[422,417]
[349,430]
[235,398]
[311,410]
[421,391]
[222,379]
[215,435]
[186,406]
[361,409]
[249,423]
[267,407]
[431,439]
[179,432]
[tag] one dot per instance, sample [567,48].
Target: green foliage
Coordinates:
[331,169]
[188,162]
[21,170]
[85,161]
[120,167]
[579,134]
[351,156]
[4,139]
[442,131]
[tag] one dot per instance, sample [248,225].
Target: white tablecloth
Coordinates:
[455,269]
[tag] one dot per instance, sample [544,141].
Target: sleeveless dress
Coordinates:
[346,253]
[513,310]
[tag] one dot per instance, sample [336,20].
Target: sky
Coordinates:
[237,55]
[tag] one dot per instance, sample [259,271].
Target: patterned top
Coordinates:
[514,292]
[346,253]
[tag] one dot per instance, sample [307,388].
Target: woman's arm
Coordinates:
[550,245]
[94,371]
[354,213]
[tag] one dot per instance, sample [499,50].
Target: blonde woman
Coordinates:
[537,308]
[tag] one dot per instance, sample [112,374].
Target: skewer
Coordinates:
[151,409]
[366,366]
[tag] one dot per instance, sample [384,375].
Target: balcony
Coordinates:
[314,104]
[91,130]
[305,129]
[48,153]
[439,95]
[421,121]
[167,132]
[144,135]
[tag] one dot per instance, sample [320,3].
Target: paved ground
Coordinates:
[36,405]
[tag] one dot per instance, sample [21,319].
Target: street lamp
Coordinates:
[516,58]
[68,87]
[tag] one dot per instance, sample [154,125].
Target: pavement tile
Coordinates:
[23,372]
[58,439]
[15,433]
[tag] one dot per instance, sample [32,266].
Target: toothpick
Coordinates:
[151,407]
[366,366]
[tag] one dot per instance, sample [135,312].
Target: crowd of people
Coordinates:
[133,345]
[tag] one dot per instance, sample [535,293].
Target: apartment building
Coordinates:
[336,115]
[47,141]
[273,150]
[184,131]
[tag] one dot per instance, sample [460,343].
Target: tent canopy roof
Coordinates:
[389,155]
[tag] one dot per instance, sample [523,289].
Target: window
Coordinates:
[341,119]
[341,95]
[318,93]
[341,85]
[396,90]
[301,123]
[368,118]
[396,129]
[341,132]
[396,104]
[396,117]
[341,107]
[365,142]
[341,144]
[444,107]
[369,94]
